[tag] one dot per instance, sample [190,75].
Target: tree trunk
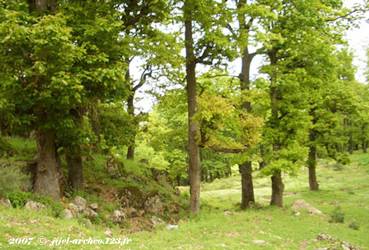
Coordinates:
[277,189]
[193,149]
[247,187]
[245,168]
[277,183]
[75,168]
[131,112]
[42,5]
[47,177]
[312,160]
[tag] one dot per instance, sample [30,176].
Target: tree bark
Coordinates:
[47,176]
[277,183]
[247,187]
[245,168]
[193,149]
[277,189]
[131,112]
[75,168]
[312,162]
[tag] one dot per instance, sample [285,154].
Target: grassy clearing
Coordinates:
[280,228]
[214,228]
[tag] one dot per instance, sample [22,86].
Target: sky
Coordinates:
[357,37]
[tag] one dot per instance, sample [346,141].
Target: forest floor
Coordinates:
[221,225]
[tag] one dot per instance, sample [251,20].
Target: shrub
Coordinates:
[337,216]
[343,158]
[354,225]
[12,179]
[18,199]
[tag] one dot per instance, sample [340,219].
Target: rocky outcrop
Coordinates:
[301,205]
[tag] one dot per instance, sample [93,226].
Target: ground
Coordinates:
[221,225]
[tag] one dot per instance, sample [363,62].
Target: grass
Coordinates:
[279,228]
[262,227]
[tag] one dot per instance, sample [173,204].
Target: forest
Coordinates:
[183,124]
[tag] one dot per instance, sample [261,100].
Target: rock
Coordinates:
[87,222]
[108,232]
[94,206]
[227,213]
[130,212]
[259,242]
[140,213]
[299,205]
[156,221]
[5,203]
[154,205]
[73,208]
[172,227]
[118,216]
[90,213]
[322,237]
[347,246]
[67,214]
[80,202]
[35,206]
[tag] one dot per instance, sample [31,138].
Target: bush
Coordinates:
[18,199]
[12,179]
[354,225]
[55,207]
[337,216]
[343,158]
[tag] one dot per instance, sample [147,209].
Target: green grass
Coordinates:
[216,229]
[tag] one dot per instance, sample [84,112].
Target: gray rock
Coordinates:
[300,205]
[94,206]
[5,203]
[172,227]
[90,213]
[67,214]
[130,212]
[118,216]
[154,205]
[35,206]
[156,221]
[73,208]
[80,202]
[259,242]
[108,232]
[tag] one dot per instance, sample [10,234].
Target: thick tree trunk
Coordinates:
[47,176]
[247,187]
[75,168]
[193,149]
[277,189]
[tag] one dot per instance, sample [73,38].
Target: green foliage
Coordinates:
[337,216]
[12,179]
[19,199]
[354,225]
